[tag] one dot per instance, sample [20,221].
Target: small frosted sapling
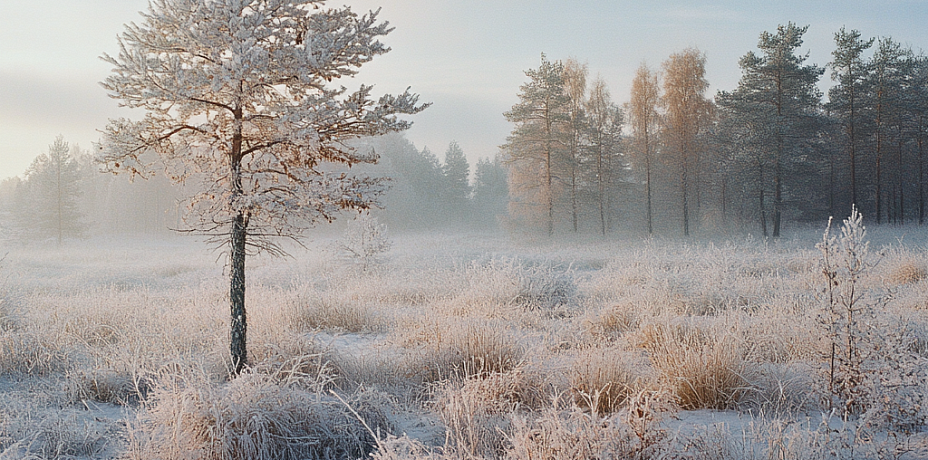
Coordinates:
[365,241]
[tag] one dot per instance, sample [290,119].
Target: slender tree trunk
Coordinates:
[831,185]
[573,196]
[778,182]
[602,189]
[548,191]
[921,178]
[237,295]
[548,173]
[648,185]
[239,324]
[879,170]
[686,211]
[760,191]
[900,182]
[60,198]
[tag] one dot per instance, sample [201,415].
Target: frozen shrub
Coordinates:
[365,241]
[848,314]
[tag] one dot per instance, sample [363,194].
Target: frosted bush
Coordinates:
[365,241]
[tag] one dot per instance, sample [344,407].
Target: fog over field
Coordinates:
[435,231]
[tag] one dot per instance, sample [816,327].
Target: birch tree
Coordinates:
[237,98]
[604,131]
[574,76]
[642,112]
[687,112]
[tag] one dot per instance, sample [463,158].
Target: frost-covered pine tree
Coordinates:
[48,201]
[237,97]
[456,171]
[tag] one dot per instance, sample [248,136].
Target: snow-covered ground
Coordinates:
[464,346]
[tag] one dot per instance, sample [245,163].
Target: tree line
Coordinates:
[63,195]
[674,160]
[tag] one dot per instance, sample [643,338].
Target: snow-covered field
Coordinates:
[467,346]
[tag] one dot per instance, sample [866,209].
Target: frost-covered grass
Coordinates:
[462,346]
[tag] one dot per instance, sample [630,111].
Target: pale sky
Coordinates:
[466,57]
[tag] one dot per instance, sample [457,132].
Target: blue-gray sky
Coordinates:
[468,58]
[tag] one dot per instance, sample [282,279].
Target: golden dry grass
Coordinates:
[495,352]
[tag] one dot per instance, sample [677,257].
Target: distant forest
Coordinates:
[774,150]
[671,161]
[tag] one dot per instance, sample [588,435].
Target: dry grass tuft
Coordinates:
[108,386]
[703,370]
[463,349]
[60,436]
[907,272]
[612,322]
[252,417]
[477,413]
[28,352]
[297,360]
[602,380]
[330,314]
[545,288]
[557,434]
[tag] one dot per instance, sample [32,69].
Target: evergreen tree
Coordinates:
[849,69]
[534,148]
[237,98]
[50,198]
[491,191]
[885,83]
[775,102]
[456,172]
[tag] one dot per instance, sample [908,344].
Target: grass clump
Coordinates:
[703,371]
[107,386]
[460,350]
[253,417]
[602,381]
[334,315]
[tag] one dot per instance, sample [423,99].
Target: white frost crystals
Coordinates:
[238,105]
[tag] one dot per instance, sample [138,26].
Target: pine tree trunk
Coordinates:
[648,182]
[238,341]
[921,179]
[778,191]
[237,294]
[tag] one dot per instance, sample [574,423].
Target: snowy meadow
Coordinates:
[472,346]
